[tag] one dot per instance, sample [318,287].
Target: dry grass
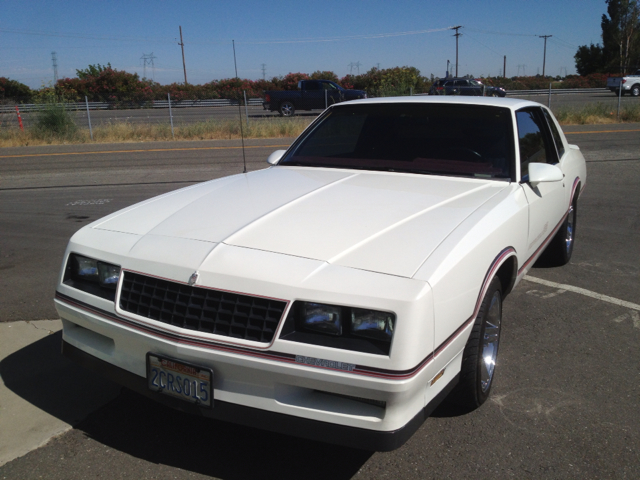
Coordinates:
[598,114]
[122,132]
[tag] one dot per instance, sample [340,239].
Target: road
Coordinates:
[565,401]
[201,114]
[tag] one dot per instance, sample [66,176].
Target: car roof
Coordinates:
[511,103]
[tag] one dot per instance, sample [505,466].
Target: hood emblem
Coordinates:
[193,278]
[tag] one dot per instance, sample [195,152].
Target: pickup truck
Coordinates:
[630,84]
[311,94]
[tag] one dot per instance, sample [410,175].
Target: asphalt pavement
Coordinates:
[565,400]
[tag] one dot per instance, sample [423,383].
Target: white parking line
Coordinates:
[584,291]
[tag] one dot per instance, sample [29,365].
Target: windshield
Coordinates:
[440,139]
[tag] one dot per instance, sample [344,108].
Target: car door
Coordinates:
[333,95]
[313,95]
[547,200]
[462,87]
[449,88]
[465,88]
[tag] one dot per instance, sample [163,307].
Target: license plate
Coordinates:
[179,379]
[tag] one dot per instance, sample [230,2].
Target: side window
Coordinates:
[531,138]
[328,86]
[556,135]
[460,83]
[310,85]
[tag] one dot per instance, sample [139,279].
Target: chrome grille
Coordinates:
[201,309]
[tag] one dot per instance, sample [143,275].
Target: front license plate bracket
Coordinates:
[179,379]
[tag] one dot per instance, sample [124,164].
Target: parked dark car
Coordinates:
[465,86]
[311,94]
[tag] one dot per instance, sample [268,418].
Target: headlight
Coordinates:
[92,276]
[347,328]
[108,274]
[322,318]
[372,324]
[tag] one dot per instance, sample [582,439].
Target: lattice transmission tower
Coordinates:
[147,59]
[54,60]
[355,65]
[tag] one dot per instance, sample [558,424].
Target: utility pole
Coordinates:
[264,71]
[54,59]
[544,59]
[457,34]
[504,70]
[183,64]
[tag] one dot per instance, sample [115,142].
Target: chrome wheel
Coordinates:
[571,221]
[479,357]
[287,109]
[490,341]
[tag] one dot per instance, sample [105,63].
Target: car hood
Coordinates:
[376,221]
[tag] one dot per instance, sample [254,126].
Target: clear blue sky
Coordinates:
[287,36]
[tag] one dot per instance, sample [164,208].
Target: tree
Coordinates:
[92,71]
[621,34]
[589,59]
[620,48]
[12,89]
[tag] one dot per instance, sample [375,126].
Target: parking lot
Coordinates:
[564,403]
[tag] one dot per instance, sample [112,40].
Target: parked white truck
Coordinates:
[630,84]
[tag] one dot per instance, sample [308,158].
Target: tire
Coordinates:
[635,90]
[560,249]
[480,353]
[287,109]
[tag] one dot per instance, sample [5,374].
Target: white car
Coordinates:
[345,291]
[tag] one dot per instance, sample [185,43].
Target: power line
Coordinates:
[491,32]
[486,46]
[86,36]
[339,39]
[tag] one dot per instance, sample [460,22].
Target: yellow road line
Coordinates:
[601,131]
[141,150]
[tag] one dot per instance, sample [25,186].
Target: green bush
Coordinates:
[55,121]
[388,82]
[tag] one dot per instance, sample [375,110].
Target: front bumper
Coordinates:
[275,422]
[254,389]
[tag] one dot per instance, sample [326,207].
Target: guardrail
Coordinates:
[558,91]
[252,102]
[30,107]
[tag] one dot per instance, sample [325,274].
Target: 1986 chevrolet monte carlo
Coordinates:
[345,291]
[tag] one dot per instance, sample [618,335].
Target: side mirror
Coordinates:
[275,157]
[544,172]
